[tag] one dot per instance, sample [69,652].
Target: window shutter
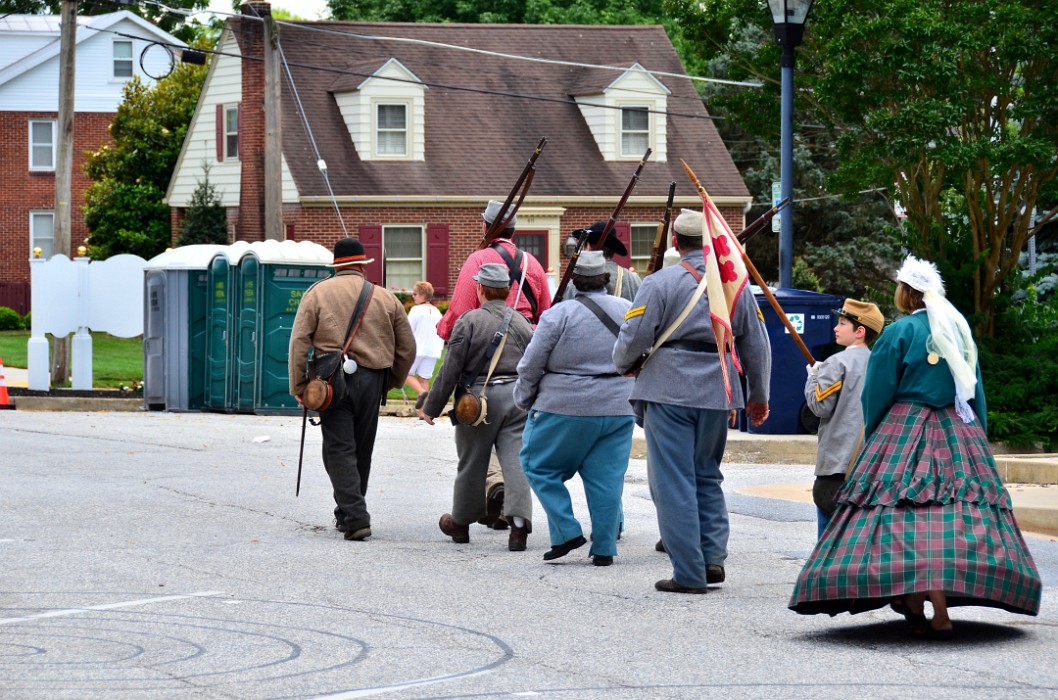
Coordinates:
[437,257]
[238,131]
[371,239]
[623,229]
[220,132]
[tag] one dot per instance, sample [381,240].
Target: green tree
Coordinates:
[123,205]
[501,11]
[950,106]
[206,219]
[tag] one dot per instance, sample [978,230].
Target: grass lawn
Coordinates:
[115,361]
[119,361]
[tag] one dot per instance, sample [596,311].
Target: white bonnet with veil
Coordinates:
[950,336]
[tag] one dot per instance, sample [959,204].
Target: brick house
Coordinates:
[107,56]
[418,135]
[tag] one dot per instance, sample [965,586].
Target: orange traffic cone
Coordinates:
[5,401]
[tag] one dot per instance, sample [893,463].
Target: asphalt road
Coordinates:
[165,556]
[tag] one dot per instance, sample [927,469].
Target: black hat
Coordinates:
[350,251]
[593,232]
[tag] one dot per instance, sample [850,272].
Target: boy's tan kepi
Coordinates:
[864,313]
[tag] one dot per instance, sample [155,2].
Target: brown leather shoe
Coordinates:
[459,533]
[714,573]
[669,586]
[517,539]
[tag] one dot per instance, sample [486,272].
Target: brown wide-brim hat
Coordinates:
[349,251]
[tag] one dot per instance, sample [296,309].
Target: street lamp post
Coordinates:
[788,18]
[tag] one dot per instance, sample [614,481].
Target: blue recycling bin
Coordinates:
[812,315]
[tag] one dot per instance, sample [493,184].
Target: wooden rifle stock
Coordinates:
[661,240]
[520,189]
[568,274]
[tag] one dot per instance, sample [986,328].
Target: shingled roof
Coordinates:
[477,141]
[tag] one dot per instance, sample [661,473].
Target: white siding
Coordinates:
[224,86]
[600,121]
[290,190]
[96,89]
[14,47]
[349,104]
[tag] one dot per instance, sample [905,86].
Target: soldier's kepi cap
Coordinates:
[492,209]
[689,223]
[863,313]
[590,263]
[493,275]
[594,232]
[349,251]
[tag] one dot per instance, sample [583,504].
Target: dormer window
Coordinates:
[391,129]
[626,114]
[385,112]
[635,131]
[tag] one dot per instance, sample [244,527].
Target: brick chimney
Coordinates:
[250,32]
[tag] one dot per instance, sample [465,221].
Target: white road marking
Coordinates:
[108,606]
[366,692]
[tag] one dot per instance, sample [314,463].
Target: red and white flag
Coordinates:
[726,277]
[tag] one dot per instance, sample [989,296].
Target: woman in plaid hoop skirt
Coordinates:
[923,513]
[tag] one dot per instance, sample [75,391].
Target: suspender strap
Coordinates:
[597,310]
[514,266]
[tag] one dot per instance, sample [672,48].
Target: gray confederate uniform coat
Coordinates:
[384,349]
[504,421]
[833,394]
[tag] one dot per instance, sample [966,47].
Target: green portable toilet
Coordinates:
[220,328]
[174,328]
[271,277]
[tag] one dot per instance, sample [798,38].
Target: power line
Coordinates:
[455,47]
[443,86]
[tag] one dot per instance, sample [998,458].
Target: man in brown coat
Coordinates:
[383,349]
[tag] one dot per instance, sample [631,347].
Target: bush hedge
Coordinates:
[11,320]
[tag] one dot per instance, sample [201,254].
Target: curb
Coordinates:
[63,403]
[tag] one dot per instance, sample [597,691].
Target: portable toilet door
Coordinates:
[155,389]
[246,322]
[283,282]
[218,379]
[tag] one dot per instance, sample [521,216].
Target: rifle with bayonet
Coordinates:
[568,274]
[510,207]
[760,222]
[661,240]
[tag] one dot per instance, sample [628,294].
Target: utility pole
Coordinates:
[64,165]
[273,154]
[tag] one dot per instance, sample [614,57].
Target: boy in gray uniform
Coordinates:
[680,398]
[502,429]
[832,392]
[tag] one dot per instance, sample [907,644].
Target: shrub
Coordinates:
[10,320]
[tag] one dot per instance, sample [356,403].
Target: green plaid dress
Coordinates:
[923,509]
